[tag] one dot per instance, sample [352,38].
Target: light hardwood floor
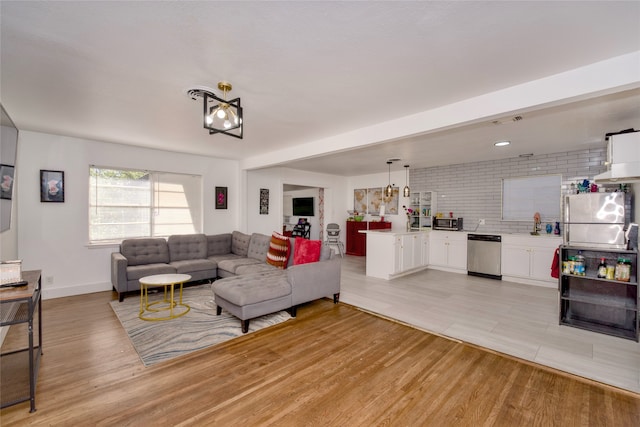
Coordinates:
[332,365]
[515,319]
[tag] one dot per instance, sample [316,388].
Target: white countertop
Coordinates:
[392,232]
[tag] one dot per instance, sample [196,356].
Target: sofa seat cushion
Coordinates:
[223,257]
[192,265]
[254,268]
[231,265]
[135,272]
[253,288]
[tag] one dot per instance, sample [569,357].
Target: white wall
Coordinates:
[335,196]
[399,221]
[53,237]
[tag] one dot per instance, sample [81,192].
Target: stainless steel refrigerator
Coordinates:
[596,220]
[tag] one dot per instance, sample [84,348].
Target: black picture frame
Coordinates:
[221,197]
[6,181]
[264,201]
[51,186]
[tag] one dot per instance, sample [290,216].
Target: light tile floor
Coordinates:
[512,318]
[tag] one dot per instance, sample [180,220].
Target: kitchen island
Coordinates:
[392,254]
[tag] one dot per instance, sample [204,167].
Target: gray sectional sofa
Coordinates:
[250,287]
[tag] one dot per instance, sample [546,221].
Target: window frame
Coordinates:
[153,206]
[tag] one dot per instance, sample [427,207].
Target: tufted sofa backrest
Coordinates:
[219,244]
[187,246]
[145,251]
[259,246]
[240,243]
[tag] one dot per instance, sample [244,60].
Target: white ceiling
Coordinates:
[117,71]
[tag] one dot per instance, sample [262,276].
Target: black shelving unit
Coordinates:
[20,366]
[597,304]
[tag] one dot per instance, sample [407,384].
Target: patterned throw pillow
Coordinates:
[278,254]
[306,251]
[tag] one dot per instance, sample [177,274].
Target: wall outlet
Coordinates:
[48,280]
[481,221]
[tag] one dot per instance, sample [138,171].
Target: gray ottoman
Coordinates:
[253,295]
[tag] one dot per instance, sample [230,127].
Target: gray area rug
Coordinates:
[199,328]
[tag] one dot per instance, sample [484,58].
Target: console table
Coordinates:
[20,305]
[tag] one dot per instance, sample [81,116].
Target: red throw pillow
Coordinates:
[306,251]
[278,254]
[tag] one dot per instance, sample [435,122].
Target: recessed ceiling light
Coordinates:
[502,143]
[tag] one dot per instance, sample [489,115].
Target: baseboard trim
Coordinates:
[69,291]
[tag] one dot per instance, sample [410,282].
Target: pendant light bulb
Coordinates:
[406,192]
[388,191]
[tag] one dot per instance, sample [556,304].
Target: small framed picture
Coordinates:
[6,182]
[221,197]
[264,201]
[51,186]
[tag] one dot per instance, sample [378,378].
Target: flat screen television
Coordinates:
[303,206]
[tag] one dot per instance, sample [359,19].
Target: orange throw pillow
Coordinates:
[306,251]
[278,254]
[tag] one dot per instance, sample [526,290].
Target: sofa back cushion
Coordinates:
[219,244]
[240,243]
[187,246]
[258,247]
[145,251]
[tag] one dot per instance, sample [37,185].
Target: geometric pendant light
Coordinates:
[219,114]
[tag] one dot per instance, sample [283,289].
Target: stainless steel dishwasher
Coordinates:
[484,255]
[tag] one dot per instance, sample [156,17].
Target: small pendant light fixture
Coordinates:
[388,191]
[406,192]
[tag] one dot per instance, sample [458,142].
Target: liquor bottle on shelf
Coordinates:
[602,269]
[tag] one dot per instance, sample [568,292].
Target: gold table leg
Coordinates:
[146,307]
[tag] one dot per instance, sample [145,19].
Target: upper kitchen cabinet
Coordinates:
[423,204]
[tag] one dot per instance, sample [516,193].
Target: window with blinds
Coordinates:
[126,203]
[524,196]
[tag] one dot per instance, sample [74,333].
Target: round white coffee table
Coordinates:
[168,281]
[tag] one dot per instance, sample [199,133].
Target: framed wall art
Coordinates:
[6,182]
[221,197]
[51,186]
[264,201]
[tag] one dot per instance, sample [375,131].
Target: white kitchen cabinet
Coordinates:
[410,251]
[392,254]
[425,250]
[448,250]
[527,259]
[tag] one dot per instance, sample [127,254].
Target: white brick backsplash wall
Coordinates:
[473,190]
